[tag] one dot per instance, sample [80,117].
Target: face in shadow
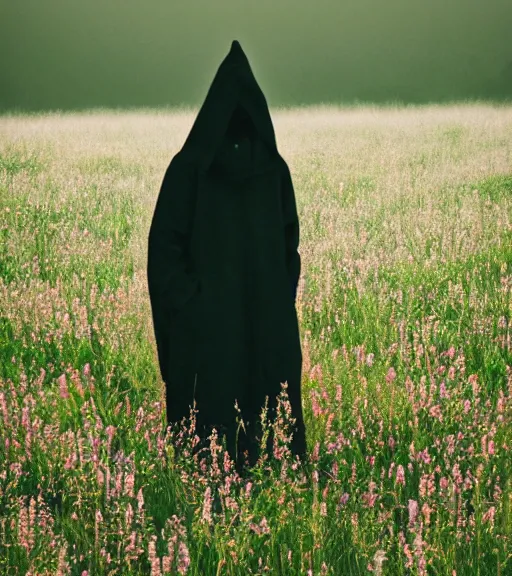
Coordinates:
[240,126]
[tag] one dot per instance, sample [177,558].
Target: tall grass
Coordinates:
[405,311]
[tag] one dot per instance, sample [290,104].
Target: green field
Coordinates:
[405,307]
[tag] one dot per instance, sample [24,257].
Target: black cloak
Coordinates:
[223,267]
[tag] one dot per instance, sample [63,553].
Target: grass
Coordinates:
[405,311]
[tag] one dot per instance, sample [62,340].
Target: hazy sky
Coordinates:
[75,54]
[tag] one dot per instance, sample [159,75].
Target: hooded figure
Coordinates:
[223,269]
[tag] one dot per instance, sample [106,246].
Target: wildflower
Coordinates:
[344,499]
[24,536]
[413,511]
[497,490]
[425,456]
[400,475]
[419,544]
[457,476]
[354,520]
[63,389]
[407,550]
[261,528]
[435,412]
[473,380]
[378,559]
[317,411]
[335,469]
[128,484]
[153,558]
[184,558]
[426,511]
[207,506]
[359,353]
[391,375]
[500,406]
[369,497]
[442,390]
[354,473]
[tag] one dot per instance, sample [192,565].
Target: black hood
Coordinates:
[233,95]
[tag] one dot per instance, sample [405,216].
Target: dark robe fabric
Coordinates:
[223,268]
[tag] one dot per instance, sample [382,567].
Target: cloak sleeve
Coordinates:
[170,281]
[291,230]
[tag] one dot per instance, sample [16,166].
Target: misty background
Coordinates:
[70,54]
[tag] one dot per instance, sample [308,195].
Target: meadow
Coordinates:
[405,307]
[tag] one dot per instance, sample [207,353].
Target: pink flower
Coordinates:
[489,515]
[369,497]
[262,528]
[426,511]
[407,551]
[400,475]
[435,412]
[413,511]
[391,375]
[456,473]
[344,499]
[63,389]
[473,380]
[425,456]
[129,482]
[184,558]
[317,411]
[207,506]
